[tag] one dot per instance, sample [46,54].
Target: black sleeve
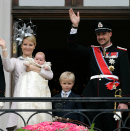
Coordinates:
[125,74]
[77,49]
[2,80]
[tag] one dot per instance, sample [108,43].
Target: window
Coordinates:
[106,3]
[41,2]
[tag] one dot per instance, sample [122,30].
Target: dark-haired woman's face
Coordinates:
[27,48]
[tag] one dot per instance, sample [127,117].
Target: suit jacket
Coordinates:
[2,80]
[96,87]
[69,105]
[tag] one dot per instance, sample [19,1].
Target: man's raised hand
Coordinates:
[75,19]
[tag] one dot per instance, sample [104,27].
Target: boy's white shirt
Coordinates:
[68,93]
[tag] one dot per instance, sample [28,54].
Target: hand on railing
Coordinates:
[1,105]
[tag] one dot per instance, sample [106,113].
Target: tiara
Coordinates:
[22,30]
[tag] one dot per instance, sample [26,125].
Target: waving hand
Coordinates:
[75,19]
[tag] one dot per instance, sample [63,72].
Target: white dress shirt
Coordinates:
[68,93]
[73,31]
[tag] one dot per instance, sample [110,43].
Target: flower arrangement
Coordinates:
[54,126]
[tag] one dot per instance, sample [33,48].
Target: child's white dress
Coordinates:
[31,84]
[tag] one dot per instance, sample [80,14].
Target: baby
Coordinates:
[38,61]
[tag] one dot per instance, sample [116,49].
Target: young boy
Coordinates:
[67,80]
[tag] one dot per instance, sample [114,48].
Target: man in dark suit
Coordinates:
[109,68]
[2,83]
[67,81]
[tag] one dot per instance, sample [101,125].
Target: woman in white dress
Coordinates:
[37,87]
[15,65]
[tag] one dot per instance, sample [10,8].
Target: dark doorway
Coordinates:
[52,40]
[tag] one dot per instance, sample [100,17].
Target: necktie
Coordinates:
[64,94]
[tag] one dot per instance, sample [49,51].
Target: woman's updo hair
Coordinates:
[31,38]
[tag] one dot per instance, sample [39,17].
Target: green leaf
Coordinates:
[92,126]
[22,129]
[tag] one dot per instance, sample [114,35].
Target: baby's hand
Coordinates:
[26,63]
[46,68]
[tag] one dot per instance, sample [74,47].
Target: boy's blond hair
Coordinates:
[67,75]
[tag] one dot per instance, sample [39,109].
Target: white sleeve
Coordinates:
[8,64]
[73,31]
[49,68]
[46,74]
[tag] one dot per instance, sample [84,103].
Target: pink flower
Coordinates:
[55,126]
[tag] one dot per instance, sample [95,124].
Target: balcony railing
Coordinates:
[68,99]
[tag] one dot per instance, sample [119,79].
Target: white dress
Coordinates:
[15,65]
[35,86]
